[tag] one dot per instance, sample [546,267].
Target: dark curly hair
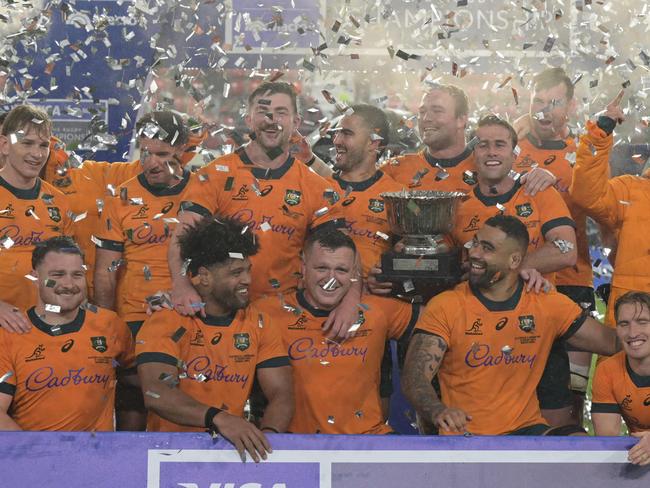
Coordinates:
[211,240]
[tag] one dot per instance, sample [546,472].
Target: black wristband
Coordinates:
[311,161]
[271,429]
[606,123]
[209,415]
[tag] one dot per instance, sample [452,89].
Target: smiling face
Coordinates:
[438,124]
[272,119]
[633,330]
[549,112]
[160,162]
[327,275]
[228,284]
[353,144]
[61,280]
[492,257]
[25,154]
[494,153]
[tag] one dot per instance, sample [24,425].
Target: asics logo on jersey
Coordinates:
[646,402]
[550,159]
[348,201]
[67,345]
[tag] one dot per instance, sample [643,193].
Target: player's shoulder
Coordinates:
[270,304]
[451,299]
[166,319]
[386,182]
[632,182]
[225,164]
[50,189]
[614,365]
[94,314]
[405,159]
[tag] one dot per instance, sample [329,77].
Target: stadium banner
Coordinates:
[161,460]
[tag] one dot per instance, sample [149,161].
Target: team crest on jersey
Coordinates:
[524,210]
[292,197]
[99,343]
[469,177]
[375,205]
[242,341]
[55,213]
[527,323]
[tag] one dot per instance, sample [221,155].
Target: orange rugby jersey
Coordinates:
[365,215]
[336,387]
[281,205]
[541,213]
[87,190]
[63,377]
[620,204]
[219,356]
[140,227]
[26,218]
[618,389]
[497,351]
[420,171]
[552,156]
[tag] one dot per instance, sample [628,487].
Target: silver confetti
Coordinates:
[330,285]
[563,246]
[52,308]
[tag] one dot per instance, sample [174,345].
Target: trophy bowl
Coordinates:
[422,217]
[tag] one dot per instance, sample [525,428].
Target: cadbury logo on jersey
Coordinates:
[375,205]
[99,343]
[524,210]
[292,197]
[242,341]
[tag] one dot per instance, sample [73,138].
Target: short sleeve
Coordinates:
[272,352]
[126,358]
[567,315]
[199,195]
[437,318]
[110,232]
[602,390]
[554,211]
[401,317]
[159,339]
[7,368]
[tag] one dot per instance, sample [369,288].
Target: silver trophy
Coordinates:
[422,219]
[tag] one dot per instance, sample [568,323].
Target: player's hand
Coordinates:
[522,126]
[535,281]
[13,320]
[452,419]
[640,454]
[536,180]
[378,287]
[159,301]
[304,152]
[243,435]
[186,300]
[340,320]
[613,109]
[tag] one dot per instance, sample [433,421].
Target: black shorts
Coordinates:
[536,429]
[554,389]
[386,380]
[583,296]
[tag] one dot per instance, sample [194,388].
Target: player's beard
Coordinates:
[69,303]
[230,300]
[281,141]
[488,278]
[352,159]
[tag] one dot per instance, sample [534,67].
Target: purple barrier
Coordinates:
[124,460]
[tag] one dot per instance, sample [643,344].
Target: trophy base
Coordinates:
[418,278]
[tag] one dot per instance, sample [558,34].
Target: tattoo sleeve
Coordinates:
[423,360]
